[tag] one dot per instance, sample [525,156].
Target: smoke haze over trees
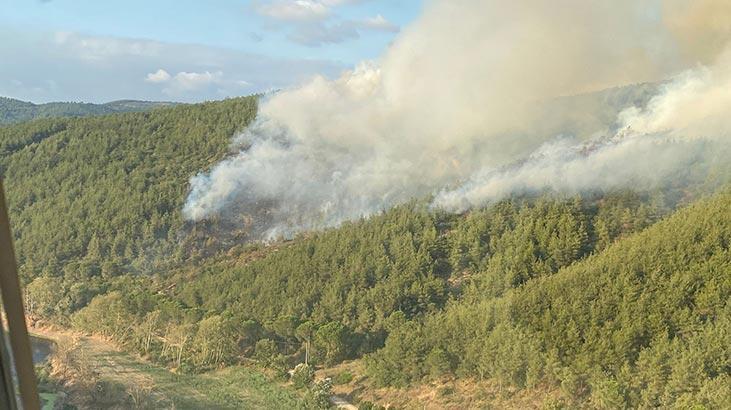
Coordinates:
[467,112]
[534,194]
[123,263]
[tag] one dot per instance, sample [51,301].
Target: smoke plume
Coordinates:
[480,99]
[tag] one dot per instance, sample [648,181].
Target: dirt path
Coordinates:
[108,361]
[231,388]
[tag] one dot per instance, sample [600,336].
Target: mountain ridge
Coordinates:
[14,111]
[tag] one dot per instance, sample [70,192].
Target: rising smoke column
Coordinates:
[467,94]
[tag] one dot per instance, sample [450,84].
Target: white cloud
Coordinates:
[379,23]
[98,49]
[101,69]
[193,81]
[313,23]
[186,81]
[159,76]
[295,10]
[299,10]
[315,35]
[335,3]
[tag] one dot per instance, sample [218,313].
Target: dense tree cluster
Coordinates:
[94,198]
[408,260]
[645,323]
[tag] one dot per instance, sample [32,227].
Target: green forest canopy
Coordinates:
[615,297]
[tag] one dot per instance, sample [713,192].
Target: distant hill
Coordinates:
[120,167]
[14,111]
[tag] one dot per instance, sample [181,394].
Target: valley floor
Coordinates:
[231,388]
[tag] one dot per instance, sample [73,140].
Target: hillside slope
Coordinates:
[14,111]
[608,296]
[102,195]
[589,297]
[644,323]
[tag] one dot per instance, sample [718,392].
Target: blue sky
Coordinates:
[184,50]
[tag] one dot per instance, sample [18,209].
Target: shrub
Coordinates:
[437,363]
[302,376]
[320,393]
[265,352]
[343,378]
[445,391]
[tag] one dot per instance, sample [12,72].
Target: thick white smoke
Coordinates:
[685,127]
[472,92]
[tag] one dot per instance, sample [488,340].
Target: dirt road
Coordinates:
[231,388]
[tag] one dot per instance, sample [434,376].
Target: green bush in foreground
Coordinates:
[303,376]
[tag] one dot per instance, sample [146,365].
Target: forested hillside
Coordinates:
[14,111]
[615,299]
[97,197]
[645,323]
